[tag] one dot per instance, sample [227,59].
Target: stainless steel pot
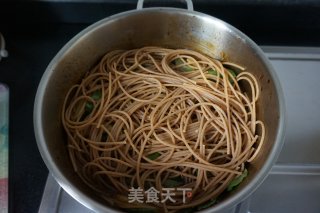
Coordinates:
[166,27]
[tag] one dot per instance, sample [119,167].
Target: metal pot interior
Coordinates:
[174,28]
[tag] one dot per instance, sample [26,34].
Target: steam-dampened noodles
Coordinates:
[156,117]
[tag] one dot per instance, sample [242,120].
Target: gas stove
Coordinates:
[293,184]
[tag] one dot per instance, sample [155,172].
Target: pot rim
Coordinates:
[94,205]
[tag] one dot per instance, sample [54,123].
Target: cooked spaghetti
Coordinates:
[156,117]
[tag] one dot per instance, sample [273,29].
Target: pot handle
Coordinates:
[188,2]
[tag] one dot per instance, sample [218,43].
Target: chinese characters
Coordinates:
[152,195]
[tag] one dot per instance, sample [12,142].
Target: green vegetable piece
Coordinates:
[235,182]
[184,68]
[154,155]
[173,182]
[89,107]
[96,95]
[142,210]
[207,204]
[213,72]
[87,110]
[178,61]
[233,73]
